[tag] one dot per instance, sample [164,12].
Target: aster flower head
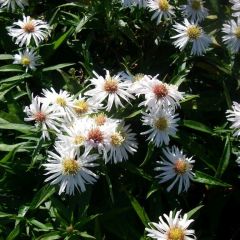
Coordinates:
[44,116]
[28,58]
[12,4]
[161,9]
[83,106]
[122,142]
[173,227]
[235,7]
[29,30]
[231,37]
[194,10]
[61,101]
[135,81]
[110,88]
[177,167]
[233,116]
[70,170]
[163,123]
[158,93]
[193,33]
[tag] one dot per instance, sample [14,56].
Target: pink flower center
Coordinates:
[40,117]
[160,90]
[95,135]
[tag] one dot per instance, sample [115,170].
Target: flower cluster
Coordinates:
[189,31]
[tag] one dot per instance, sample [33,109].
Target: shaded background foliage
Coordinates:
[97,35]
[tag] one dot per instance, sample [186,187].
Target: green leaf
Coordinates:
[63,38]
[84,220]
[6,56]
[134,114]
[9,148]
[40,225]
[209,180]
[193,211]
[11,68]
[50,236]
[58,66]
[149,154]
[14,233]
[24,128]
[42,195]
[197,126]
[86,235]
[138,209]
[81,24]
[224,161]
[15,78]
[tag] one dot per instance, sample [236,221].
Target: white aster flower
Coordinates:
[135,81]
[83,106]
[29,29]
[193,33]
[62,102]
[235,7]
[163,123]
[121,143]
[234,117]
[177,167]
[194,10]
[232,35]
[11,4]
[158,93]
[70,170]
[161,8]
[173,227]
[111,88]
[28,59]
[44,116]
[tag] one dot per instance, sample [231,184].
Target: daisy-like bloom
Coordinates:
[173,227]
[232,35]
[161,8]
[235,7]
[135,81]
[121,142]
[29,59]
[158,93]
[11,4]
[177,167]
[194,10]
[163,123]
[233,116]
[62,102]
[27,30]
[83,106]
[44,116]
[70,170]
[191,32]
[111,88]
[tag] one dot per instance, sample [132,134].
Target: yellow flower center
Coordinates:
[117,139]
[95,135]
[100,119]
[25,60]
[161,124]
[70,166]
[163,5]
[237,32]
[111,85]
[29,27]
[138,77]
[194,32]
[160,90]
[196,4]
[175,234]
[61,101]
[181,166]
[40,117]
[81,107]
[78,140]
